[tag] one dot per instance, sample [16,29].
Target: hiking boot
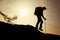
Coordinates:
[41,29]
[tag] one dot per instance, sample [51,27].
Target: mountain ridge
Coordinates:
[26,31]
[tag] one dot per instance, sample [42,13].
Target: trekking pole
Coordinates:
[45,26]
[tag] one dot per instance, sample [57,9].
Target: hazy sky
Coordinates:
[17,7]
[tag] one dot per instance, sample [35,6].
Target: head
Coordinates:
[44,8]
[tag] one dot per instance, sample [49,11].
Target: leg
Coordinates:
[41,25]
[37,24]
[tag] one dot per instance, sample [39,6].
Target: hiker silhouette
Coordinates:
[39,13]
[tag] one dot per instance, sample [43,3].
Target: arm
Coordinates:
[43,17]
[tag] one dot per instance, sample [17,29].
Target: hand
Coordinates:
[44,18]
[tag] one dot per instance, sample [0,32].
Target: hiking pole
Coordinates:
[45,26]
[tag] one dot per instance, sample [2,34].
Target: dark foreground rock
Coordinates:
[24,32]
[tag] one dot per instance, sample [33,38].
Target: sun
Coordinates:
[23,11]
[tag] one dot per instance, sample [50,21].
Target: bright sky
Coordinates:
[24,9]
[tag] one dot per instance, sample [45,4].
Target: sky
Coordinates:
[24,10]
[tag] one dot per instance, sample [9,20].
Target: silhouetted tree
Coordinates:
[8,19]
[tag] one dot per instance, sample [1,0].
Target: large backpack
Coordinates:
[37,10]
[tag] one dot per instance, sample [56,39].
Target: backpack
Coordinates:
[37,11]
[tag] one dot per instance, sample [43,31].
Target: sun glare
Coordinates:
[23,11]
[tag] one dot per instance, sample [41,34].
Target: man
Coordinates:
[39,13]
